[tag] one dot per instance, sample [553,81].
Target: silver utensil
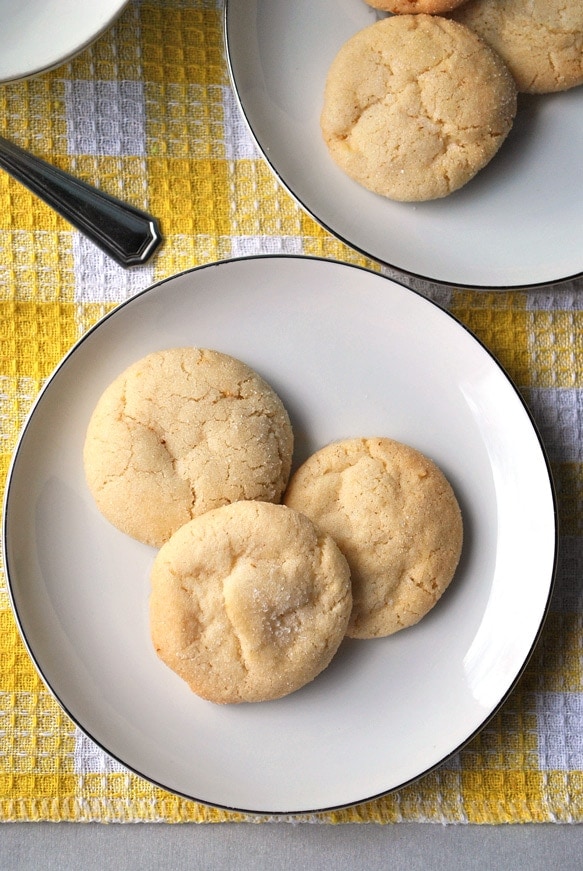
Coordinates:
[127,234]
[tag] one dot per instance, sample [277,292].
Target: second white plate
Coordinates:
[518,223]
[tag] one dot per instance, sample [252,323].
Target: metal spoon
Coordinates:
[124,232]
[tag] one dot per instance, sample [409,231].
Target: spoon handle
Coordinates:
[125,233]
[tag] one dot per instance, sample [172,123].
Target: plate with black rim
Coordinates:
[517,224]
[350,353]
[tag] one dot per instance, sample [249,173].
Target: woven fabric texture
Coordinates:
[148,114]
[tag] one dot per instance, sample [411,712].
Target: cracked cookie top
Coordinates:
[395,518]
[249,602]
[415,105]
[180,432]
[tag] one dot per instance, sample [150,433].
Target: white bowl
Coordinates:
[38,35]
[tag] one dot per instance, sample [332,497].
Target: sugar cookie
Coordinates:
[249,602]
[180,432]
[540,40]
[414,7]
[415,105]
[395,518]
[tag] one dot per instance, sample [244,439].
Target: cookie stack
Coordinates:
[258,578]
[417,104]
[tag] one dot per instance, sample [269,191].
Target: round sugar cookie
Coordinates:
[414,7]
[394,516]
[182,431]
[415,105]
[540,40]
[249,602]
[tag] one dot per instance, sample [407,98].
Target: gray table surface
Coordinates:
[283,846]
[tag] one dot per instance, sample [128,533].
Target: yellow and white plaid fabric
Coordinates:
[147,113]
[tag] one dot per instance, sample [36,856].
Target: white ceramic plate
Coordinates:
[350,353]
[516,224]
[37,35]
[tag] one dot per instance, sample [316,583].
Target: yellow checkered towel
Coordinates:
[147,113]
